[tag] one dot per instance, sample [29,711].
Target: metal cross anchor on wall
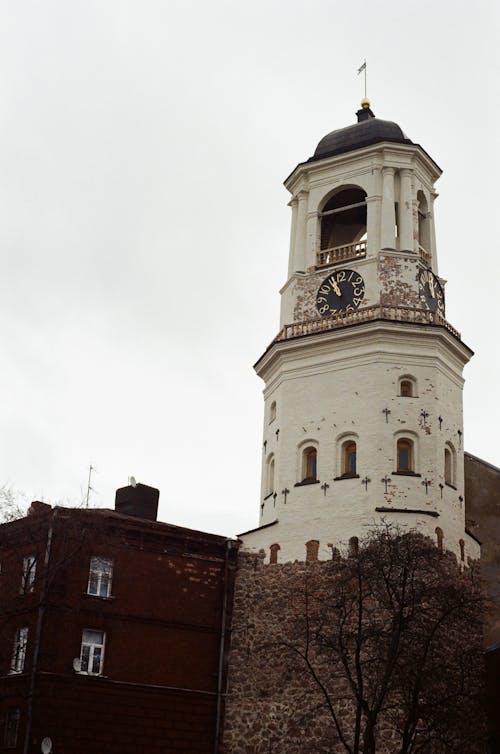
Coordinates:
[386,481]
[366,482]
[459,433]
[324,487]
[386,411]
[440,420]
[424,415]
[441,487]
[275,495]
[426,484]
[285,492]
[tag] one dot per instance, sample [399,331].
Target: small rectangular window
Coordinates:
[11,729]
[19,651]
[100,576]
[29,572]
[92,653]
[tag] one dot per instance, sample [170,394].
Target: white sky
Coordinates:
[144,227]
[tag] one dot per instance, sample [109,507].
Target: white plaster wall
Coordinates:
[340,382]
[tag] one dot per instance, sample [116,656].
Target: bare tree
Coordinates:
[379,651]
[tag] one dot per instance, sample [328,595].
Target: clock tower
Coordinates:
[363,382]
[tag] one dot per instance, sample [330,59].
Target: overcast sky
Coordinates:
[144,226]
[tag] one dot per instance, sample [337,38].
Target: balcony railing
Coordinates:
[327,257]
[368,314]
[425,255]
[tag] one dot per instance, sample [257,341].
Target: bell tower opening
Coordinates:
[343,218]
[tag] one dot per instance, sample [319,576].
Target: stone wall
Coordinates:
[272,705]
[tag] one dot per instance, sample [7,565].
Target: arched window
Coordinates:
[273,556]
[406,389]
[349,458]
[309,464]
[405,456]
[462,549]
[270,475]
[353,546]
[343,218]
[272,412]
[407,386]
[439,535]
[312,548]
[450,465]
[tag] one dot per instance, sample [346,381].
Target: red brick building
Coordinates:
[113,631]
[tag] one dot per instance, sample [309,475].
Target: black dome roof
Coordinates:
[369,130]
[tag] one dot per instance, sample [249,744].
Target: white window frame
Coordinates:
[29,573]
[19,650]
[100,577]
[94,657]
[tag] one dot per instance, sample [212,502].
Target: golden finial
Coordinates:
[365,103]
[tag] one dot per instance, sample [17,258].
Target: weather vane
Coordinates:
[363,68]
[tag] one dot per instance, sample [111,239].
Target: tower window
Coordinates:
[273,557]
[405,456]
[343,218]
[406,389]
[272,412]
[349,458]
[449,465]
[309,465]
[312,548]
[439,536]
[92,652]
[270,475]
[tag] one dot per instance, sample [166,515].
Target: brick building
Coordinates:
[113,630]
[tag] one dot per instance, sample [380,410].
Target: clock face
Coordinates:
[431,291]
[342,291]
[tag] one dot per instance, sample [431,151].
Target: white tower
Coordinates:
[363,383]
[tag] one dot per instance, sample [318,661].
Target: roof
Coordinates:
[369,130]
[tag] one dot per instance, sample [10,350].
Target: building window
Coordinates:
[272,412]
[349,458]
[439,537]
[11,729]
[309,464]
[406,389]
[270,476]
[343,218]
[312,548]
[29,572]
[100,576]
[273,557]
[405,456]
[92,654]
[19,651]
[449,465]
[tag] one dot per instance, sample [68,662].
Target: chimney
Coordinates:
[137,500]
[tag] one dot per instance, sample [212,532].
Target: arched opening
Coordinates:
[312,548]
[405,456]
[309,464]
[349,458]
[353,546]
[343,218]
[462,550]
[424,240]
[406,389]
[270,475]
[439,536]
[272,412]
[449,465]
[273,553]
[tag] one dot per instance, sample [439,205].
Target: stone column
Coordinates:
[293,237]
[300,232]
[387,234]
[406,241]
[432,232]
